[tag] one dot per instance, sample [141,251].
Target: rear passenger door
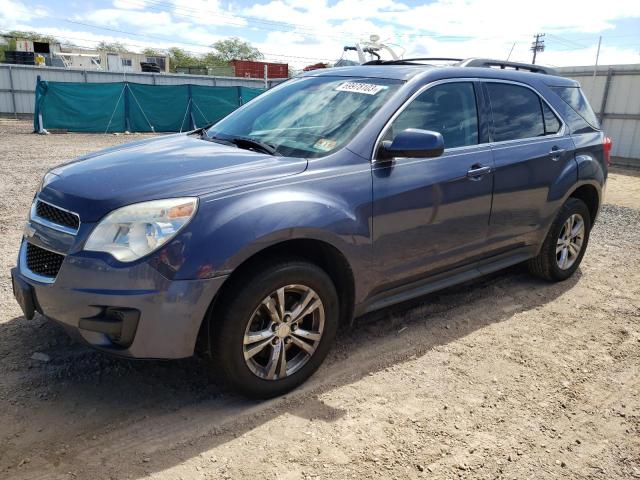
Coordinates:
[530,151]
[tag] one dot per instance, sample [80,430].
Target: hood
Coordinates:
[171,166]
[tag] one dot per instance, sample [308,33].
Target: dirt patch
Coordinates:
[505,377]
[623,187]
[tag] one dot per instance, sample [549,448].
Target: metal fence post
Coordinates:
[605,95]
[192,120]
[127,122]
[13,93]
[36,110]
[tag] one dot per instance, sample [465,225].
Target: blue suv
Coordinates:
[334,194]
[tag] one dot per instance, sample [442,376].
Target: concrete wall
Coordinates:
[18,82]
[614,94]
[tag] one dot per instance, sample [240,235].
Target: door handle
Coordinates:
[556,153]
[476,172]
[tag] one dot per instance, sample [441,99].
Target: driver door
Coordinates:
[430,214]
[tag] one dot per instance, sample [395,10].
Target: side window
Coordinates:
[449,109]
[551,123]
[517,112]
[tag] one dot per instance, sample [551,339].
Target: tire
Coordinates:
[551,264]
[248,322]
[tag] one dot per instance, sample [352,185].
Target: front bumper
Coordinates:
[168,313]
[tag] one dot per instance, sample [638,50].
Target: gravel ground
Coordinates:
[506,377]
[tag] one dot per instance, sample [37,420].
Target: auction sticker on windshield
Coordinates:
[325,144]
[355,87]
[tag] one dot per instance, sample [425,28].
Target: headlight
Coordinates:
[134,231]
[46,180]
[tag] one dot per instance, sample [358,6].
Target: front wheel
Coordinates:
[275,329]
[565,243]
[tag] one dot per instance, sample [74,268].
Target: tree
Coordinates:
[33,36]
[235,49]
[212,59]
[115,47]
[180,58]
[152,52]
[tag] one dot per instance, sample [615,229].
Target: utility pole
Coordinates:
[537,45]
[595,68]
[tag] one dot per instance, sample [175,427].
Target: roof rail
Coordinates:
[469,62]
[489,63]
[412,61]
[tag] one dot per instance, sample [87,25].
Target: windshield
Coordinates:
[309,116]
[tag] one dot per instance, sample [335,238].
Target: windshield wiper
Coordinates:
[243,142]
[221,140]
[253,144]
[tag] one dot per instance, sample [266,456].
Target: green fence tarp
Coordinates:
[161,107]
[210,105]
[134,107]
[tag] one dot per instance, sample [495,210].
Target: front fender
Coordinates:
[229,230]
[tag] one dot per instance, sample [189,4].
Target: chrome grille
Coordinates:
[57,215]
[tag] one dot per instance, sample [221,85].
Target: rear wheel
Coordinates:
[275,329]
[566,243]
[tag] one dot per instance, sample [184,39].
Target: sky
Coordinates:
[303,32]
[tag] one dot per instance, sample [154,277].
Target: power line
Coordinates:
[568,41]
[595,35]
[154,37]
[307,31]
[304,30]
[294,28]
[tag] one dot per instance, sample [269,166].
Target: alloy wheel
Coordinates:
[283,332]
[570,241]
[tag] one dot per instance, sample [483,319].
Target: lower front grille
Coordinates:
[43,262]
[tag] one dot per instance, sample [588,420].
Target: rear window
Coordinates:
[574,97]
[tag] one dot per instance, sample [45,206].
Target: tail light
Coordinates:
[606,146]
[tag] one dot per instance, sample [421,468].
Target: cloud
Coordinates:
[130,5]
[12,12]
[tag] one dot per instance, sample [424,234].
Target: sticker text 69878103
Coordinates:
[355,87]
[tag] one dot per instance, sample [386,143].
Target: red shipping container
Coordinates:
[252,69]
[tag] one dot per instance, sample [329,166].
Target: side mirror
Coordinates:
[412,143]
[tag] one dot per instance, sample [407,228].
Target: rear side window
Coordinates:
[517,112]
[574,97]
[449,109]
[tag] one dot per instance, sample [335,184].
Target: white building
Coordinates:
[58,55]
